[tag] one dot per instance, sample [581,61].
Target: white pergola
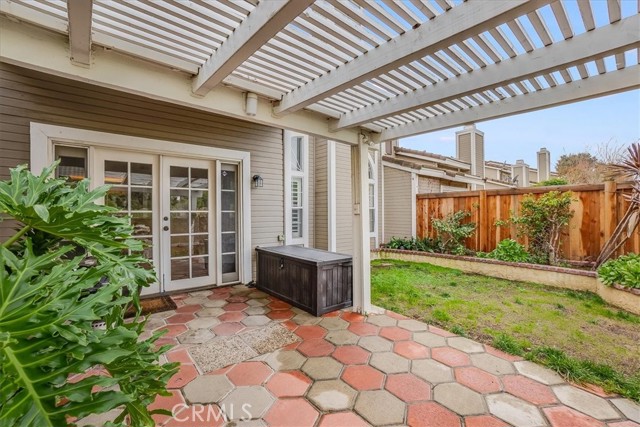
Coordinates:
[354,71]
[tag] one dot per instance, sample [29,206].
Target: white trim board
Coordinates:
[43,136]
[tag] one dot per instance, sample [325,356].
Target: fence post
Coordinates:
[483,227]
[610,210]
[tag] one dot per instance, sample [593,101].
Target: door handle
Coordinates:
[165,228]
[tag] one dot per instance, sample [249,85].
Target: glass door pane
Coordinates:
[229,221]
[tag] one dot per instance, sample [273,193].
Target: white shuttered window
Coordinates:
[296,188]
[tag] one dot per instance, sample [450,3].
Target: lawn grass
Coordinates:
[575,333]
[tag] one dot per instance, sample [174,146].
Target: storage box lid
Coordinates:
[317,256]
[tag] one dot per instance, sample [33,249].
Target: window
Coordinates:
[373,199]
[73,163]
[296,188]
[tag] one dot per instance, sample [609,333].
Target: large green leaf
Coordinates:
[48,304]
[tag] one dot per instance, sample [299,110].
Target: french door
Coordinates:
[185,210]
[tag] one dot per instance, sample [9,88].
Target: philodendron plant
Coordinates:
[49,302]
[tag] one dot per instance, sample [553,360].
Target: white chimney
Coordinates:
[544,164]
[470,149]
[520,172]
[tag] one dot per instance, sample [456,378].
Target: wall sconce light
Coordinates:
[251,104]
[258,182]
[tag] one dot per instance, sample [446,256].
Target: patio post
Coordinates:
[361,241]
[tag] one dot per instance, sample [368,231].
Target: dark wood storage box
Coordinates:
[311,279]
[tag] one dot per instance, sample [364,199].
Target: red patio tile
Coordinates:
[396,315]
[394,333]
[528,389]
[484,421]
[334,313]
[292,326]
[592,388]
[351,355]
[291,346]
[450,356]
[173,403]
[502,354]
[220,371]
[198,416]
[562,416]
[440,331]
[311,332]
[279,305]
[352,316]
[249,373]
[280,314]
[180,318]
[408,387]
[237,298]
[219,295]
[235,306]
[180,355]
[411,350]
[292,412]
[186,373]
[165,341]
[430,414]
[316,347]
[342,419]
[173,330]
[363,377]
[624,424]
[363,329]
[229,328]
[288,384]
[477,379]
[232,316]
[189,308]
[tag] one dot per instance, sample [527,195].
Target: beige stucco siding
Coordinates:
[27,96]
[397,203]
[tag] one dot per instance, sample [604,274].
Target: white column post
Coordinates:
[361,249]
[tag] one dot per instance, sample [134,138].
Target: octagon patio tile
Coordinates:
[285,360]
[208,389]
[188,308]
[408,387]
[215,303]
[375,344]
[630,409]
[333,323]
[363,377]
[307,332]
[389,363]
[342,337]
[203,323]
[561,416]
[432,371]
[484,421]
[459,399]
[322,368]
[186,374]
[282,413]
[210,312]
[369,404]
[429,339]
[515,411]
[538,373]
[280,314]
[232,316]
[585,402]
[256,398]
[228,328]
[393,333]
[197,336]
[413,325]
[256,320]
[381,320]
[492,364]
[237,298]
[351,316]
[363,329]
[256,310]
[465,344]
[180,318]
[235,306]
[431,414]
[279,305]
[450,356]
[171,403]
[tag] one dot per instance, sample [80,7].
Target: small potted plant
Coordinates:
[622,273]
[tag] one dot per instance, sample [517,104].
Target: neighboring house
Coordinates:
[408,172]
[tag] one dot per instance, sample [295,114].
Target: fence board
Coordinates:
[597,210]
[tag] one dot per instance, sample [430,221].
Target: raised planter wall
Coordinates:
[567,278]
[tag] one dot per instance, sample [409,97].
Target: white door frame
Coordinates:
[43,137]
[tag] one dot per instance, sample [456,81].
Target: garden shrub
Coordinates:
[425,244]
[542,220]
[49,301]
[510,251]
[452,232]
[552,181]
[624,271]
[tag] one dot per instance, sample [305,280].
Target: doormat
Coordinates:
[225,351]
[153,305]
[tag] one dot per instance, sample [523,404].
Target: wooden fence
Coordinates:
[597,209]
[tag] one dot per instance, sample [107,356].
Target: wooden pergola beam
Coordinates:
[80,21]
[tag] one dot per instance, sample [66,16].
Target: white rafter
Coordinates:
[266,20]
[454,26]
[593,87]
[80,21]
[593,45]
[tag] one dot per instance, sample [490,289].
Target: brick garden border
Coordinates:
[560,277]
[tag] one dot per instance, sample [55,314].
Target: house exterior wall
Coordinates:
[321,212]
[27,96]
[428,185]
[397,203]
[344,218]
